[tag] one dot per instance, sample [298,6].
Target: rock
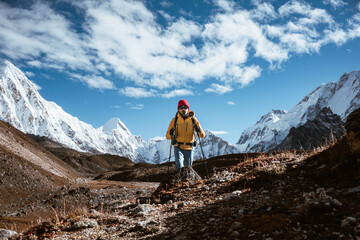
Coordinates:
[83,224]
[233,194]
[6,234]
[143,200]
[152,224]
[317,200]
[142,210]
[140,226]
[354,190]
[95,213]
[234,234]
[185,174]
[357,229]
[352,128]
[182,204]
[236,225]
[348,221]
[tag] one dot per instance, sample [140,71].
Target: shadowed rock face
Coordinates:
[326,127]
[352,127]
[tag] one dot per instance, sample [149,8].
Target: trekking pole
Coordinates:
[204,159]
[169,158]
[172,139]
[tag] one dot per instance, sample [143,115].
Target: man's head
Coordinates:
[183,107]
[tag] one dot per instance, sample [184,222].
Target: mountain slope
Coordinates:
[341,97]
[85,163]
[19,145]
[260,133]
[325,128]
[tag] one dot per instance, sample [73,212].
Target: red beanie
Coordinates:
[183,102]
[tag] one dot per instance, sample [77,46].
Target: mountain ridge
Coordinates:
[342,97]
[23,107]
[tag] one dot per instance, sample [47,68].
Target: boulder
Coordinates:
[184,174]
[164,193]
[6,234]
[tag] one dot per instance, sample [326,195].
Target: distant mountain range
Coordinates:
[22,106]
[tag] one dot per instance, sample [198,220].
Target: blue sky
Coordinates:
[232,60]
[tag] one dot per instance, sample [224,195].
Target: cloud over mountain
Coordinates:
[102,42]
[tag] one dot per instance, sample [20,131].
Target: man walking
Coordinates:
[181,131]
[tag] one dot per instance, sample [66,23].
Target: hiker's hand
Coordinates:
[172,131]
[197,128]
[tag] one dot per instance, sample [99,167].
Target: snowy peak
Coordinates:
[272,116]
[115,124]
[19,98]
[16,77]
[340,97]
[22,106]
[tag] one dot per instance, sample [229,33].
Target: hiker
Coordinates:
[181,131]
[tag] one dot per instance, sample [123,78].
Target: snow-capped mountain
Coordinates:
[253,138]
[157,150]
[341,97]
[23,107]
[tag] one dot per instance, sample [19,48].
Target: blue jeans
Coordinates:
[183,158]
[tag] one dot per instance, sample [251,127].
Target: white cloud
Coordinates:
[167,16]
[226,5]
[242,75]
[294,7]
[166,4]
[138,107]
[137,92]
[29,33]
[29,74]
[337,36]
[263,11]
[94,81]
[219,89]
[37,87]
[230,103]
[307,30]
[311,15]
[115,106]
[177,92]
[335,3]
[124,39]
[135,106]
[218,132]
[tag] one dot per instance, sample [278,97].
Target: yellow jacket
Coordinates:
[184,130]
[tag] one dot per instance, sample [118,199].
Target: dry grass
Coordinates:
[276,162]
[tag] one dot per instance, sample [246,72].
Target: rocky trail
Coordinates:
[284,195]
